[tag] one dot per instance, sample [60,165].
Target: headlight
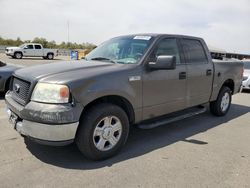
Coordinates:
[50,93]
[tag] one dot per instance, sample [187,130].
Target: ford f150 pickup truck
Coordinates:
[31,50]
[146,80]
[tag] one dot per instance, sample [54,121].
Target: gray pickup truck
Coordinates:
[146,80]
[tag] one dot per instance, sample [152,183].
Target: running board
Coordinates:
[172,117]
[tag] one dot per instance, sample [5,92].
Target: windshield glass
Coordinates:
[247,65]
[22,46]
[125,50]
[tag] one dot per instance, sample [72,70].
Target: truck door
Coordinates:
[164,91]
[28,50]
[199,72]
[38,52]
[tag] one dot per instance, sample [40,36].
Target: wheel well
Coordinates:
[229,83]
[117,100]
[18,52]
[50,53]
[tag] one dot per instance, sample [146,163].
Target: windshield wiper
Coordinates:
[103,59]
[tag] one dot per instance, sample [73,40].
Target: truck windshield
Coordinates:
[22,46]
[125,50]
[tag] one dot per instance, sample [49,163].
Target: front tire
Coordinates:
[222,104]
[102,131]
[18,55]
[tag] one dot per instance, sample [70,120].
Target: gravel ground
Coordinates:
[202,151]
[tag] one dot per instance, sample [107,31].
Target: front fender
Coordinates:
[89,90]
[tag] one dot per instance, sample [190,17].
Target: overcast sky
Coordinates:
[222,23]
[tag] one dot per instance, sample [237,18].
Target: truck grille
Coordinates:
[20,90]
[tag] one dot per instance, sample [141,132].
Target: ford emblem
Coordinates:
[17,88]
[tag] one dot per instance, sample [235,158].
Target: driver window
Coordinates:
[166,47]
[29,46]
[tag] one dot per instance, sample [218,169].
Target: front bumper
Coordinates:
[50,124]
[9,53]
[246,83]
[46,133]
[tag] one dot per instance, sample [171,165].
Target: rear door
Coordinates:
[164,91]
[28,50]
[199,72]
[38,50]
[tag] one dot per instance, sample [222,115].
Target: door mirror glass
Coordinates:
[163,62]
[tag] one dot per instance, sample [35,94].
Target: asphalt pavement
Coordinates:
[201,151]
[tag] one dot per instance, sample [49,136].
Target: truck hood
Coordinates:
[13,48]
[64,71]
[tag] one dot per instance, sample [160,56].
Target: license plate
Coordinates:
[12,117]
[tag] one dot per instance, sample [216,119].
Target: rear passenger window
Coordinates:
[38,47]
[166,47]
[194,52]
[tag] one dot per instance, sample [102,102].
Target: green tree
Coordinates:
[46,43]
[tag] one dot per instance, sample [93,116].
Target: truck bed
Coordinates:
[224,70]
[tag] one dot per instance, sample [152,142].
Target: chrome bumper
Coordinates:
[9,53]
[45,132]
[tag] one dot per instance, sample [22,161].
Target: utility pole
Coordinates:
[68,30]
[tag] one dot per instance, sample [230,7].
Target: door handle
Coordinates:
[182,75]
[209,72]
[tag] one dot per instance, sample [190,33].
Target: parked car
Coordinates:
[146,80]
[31,50]
[5,76]
[246,75]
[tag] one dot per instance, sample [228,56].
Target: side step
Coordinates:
[163,120]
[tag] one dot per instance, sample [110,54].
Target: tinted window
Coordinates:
[194,52]
[38,47]
[166,47]
[30,46]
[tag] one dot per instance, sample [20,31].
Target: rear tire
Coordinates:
[18,55]
[102,132]
[50,56]
[222,104]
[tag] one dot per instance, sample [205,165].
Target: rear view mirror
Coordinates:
[163,62]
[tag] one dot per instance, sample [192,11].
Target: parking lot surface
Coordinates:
[202,151]
[31,61]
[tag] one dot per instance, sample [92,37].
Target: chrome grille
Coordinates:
[20,89]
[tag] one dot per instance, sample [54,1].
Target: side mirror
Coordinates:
[25,47]
[163,62]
